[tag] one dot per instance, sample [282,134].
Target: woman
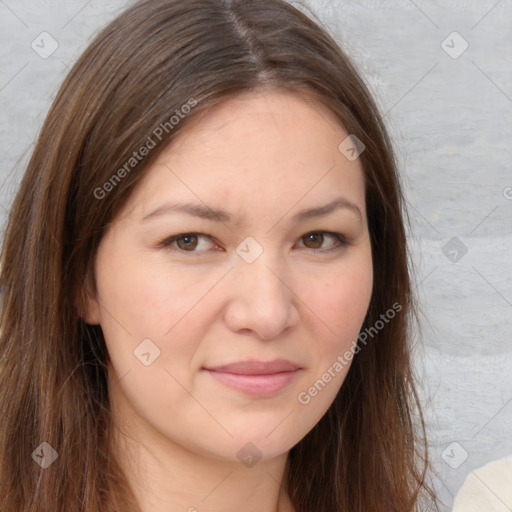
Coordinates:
[207,307]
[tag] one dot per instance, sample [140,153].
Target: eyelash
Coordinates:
[341,239]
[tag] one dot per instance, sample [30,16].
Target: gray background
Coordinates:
[451,120]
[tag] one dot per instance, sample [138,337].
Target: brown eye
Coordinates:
[187,242]
[316,239]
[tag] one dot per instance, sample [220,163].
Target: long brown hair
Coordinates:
[368,452]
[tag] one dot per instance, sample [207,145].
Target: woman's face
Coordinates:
[258,191]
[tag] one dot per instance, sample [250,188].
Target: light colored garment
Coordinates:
[487,489]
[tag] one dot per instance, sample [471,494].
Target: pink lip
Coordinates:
[256,378]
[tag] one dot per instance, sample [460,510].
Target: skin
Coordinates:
[262,157]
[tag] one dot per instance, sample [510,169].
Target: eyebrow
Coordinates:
[217,215]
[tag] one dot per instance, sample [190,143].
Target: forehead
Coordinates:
[287,115]
[267,150]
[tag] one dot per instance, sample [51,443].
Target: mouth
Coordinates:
[256,378]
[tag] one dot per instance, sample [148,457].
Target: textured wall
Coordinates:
[449,108]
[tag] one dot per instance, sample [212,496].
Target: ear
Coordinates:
[86,303]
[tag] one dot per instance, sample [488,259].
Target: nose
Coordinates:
[261,299]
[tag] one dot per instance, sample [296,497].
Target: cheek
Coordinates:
[146,297]
[163,303]
[351,301]
[148,333]
[340,306]
[343,300]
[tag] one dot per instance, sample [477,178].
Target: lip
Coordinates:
[256,378]
[254,367]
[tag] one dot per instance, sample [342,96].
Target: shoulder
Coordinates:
[487,488]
